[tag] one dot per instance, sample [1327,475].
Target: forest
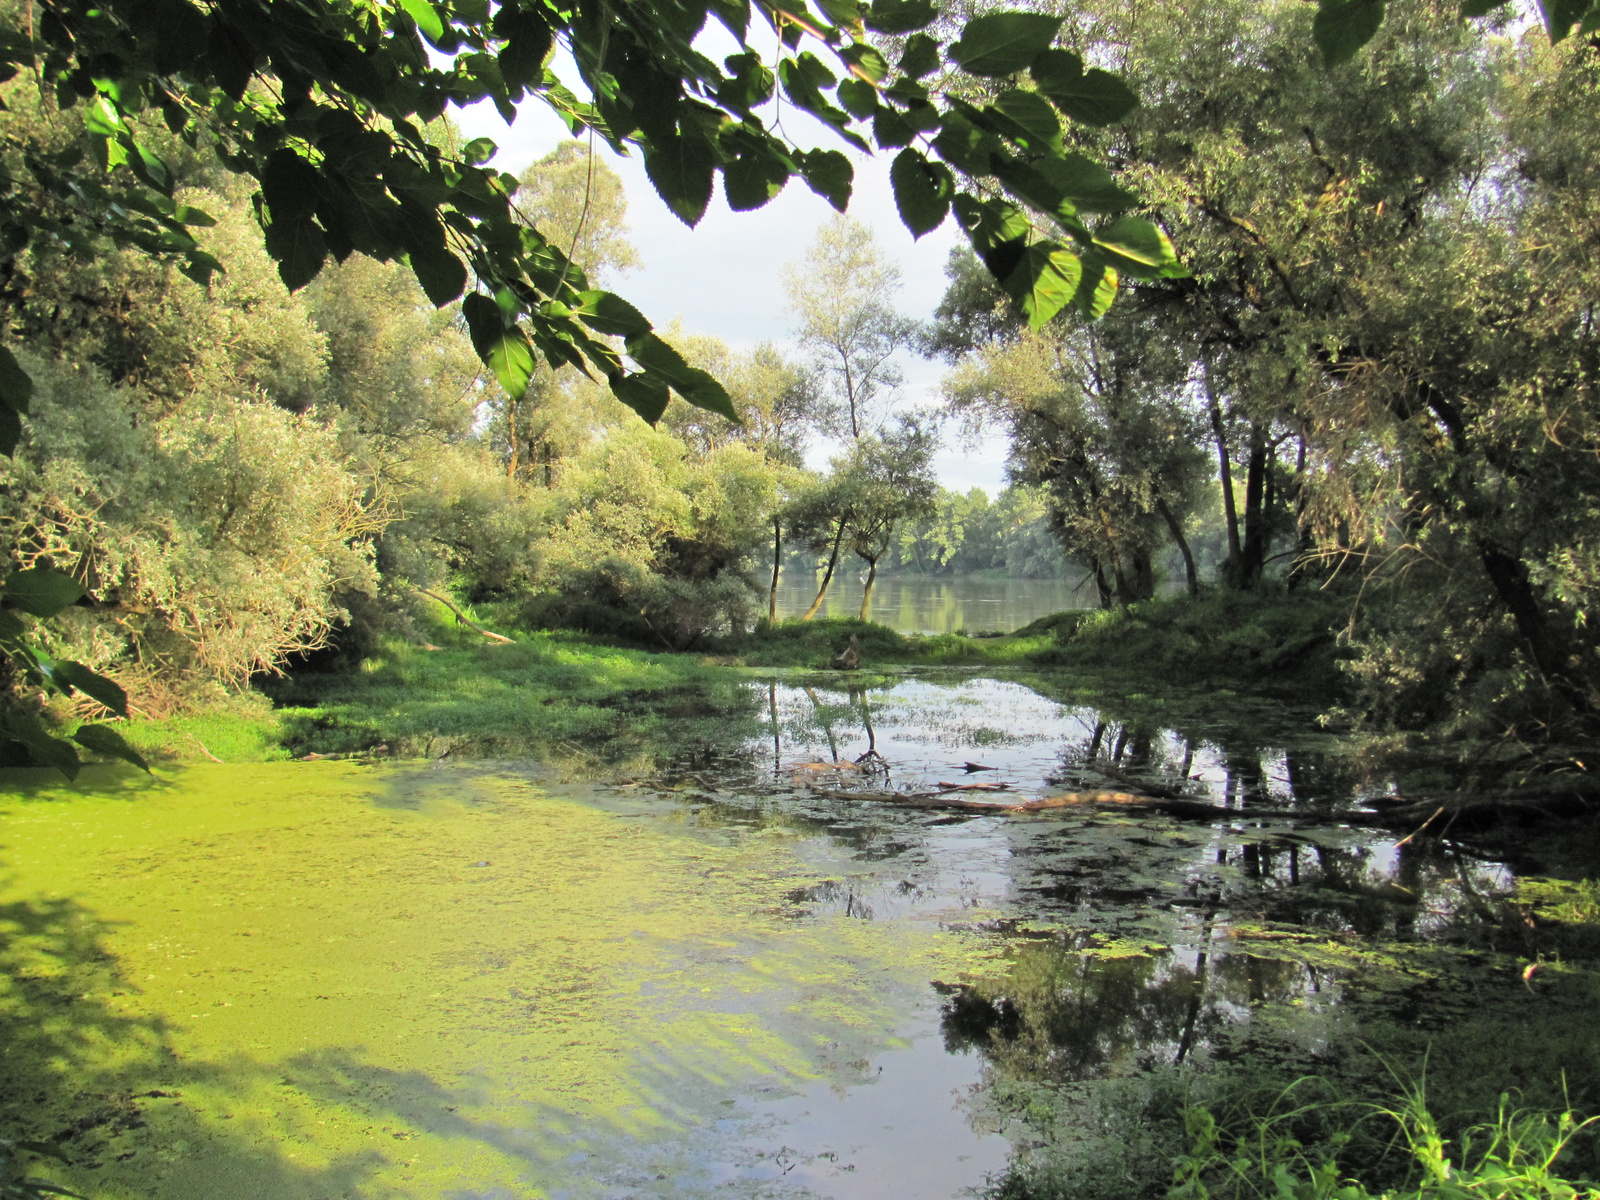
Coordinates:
[332,437]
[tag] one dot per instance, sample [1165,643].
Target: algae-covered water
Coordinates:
[747,971]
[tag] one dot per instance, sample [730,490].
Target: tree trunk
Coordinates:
[1230,510]
[1300,569]
[1101,587]
[1124,591]
[1191,575]
[511,440]
[872,576]
[777,565]
[1144,574]
[827,577]
[1254,551]
[1545,645]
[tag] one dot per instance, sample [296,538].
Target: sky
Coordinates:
[723,278]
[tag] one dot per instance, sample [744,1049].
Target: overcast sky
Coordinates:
[723,277]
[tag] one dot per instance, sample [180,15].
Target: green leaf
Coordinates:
[1086,183]
[45,750]
[442,275]
[1561,15]
[922,191]
[890,130]
[857,97]
[1033,114]
[103,739]
[1094,97]
[528,45]
[1003,43]
[1097,289]
[485,323]
[426,17]
[40,590]
[1481,8]
[610,313]
[682,170]
[900,16]
[965,145]
[829,174]
[16,388]
[754,176]
[864,61]
[299,249]
[101,118]
[844,13]
[97,687]
[920,56]
[693,384]
[478,151]
[511,360]
[705,392]
[1044,281]
[1142,242]
[643,393]
[1342,27]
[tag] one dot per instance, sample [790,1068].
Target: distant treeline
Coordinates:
[971,534]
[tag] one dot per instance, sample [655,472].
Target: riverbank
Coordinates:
[566,695]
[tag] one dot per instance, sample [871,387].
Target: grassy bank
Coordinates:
[564,695]
[1269,640]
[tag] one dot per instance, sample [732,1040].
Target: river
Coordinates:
[757,969]
[919,604]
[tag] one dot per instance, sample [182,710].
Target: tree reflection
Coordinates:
[1066,1011]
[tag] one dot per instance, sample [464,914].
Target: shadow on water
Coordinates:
[102,1086]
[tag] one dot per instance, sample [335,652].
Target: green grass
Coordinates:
[814,643]
[570,695]
[546,694]
[1270,639]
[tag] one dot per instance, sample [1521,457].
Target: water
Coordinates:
[917,604]
[760,969]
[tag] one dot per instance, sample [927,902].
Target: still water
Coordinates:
[758,969]
[918,604]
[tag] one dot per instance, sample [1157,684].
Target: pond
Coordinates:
[919,604]
[771,966]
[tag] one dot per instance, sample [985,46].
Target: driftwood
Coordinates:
[1187,810]
[464,619]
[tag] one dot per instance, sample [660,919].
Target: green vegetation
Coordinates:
[1273,641]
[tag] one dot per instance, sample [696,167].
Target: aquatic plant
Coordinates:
[1512,1156]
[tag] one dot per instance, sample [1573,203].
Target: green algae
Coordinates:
[324,979]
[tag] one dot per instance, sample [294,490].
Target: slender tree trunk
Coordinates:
[872,576]
[850,398]
[827,576]
[1101,587]
[1545,645]
[1300,568]
[1191,575]
[1124,591]
[1254,554]
[777,565]
[511,440]
[1230,510]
